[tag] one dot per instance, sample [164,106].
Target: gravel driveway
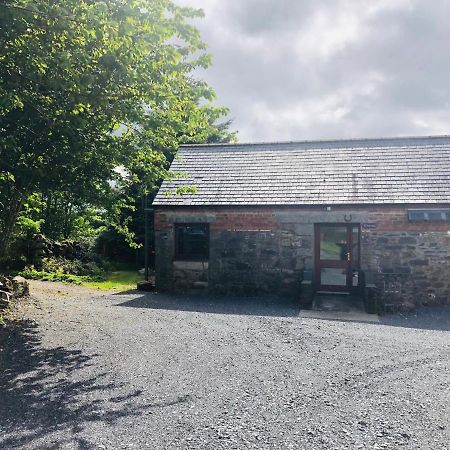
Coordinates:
[133,371]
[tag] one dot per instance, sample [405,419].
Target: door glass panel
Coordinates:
[355,249]
[333,243]
[333,277]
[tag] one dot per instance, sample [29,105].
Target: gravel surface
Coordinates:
[89,370]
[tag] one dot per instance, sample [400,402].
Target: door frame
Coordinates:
[350,265]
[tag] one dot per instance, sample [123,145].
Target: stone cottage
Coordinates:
[273,218]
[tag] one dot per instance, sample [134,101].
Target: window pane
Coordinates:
[192,240]
[434,215]
[333,243]
[355,249]
[416,216]
[333,277]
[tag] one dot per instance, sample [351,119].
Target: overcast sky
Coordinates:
[312,69]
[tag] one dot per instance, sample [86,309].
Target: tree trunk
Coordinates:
[9,219]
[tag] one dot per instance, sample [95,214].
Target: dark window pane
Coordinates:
[434,215]
[192,240]
[416,216]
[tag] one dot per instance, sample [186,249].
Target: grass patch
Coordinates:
[121,279]
[114,280]
[32,274]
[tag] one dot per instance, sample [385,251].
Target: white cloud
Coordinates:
[291,69]
[329,111]
[331,29]
[433,122]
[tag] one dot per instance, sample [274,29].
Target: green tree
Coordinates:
[95,96]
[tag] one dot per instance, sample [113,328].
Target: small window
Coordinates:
[192,241]
[428,215]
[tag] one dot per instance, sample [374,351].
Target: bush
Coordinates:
[10,264]
[71,266]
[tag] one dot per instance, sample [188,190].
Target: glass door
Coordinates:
[336,256]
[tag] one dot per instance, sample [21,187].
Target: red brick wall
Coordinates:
[386,218]
[225,219]
[161,222]
[396,219]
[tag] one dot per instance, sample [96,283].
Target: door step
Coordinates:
[332,293]
[339,302]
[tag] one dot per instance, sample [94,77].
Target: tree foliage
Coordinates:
[96,96]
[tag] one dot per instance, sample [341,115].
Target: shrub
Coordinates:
[10,264]
[71,266]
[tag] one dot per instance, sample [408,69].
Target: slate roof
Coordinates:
[360,171]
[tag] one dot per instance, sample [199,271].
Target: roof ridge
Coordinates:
[409,139]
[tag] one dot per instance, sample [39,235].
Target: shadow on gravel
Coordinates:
[425,318]
[127,292]
[45,391]
[251,306]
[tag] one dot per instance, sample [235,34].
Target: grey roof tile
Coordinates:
[365,171]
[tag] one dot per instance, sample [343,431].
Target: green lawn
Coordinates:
[120,280]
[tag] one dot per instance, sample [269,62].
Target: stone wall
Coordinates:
[265,250]
[188,275]
[246,261]
[252,251]
[411,261]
